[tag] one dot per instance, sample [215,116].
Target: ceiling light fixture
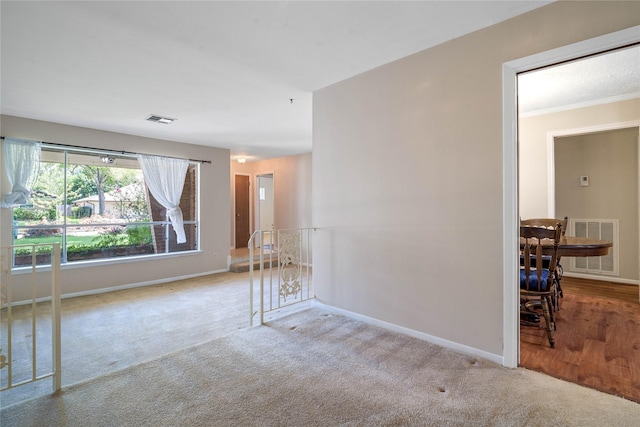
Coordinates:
[160,119]
[242,160]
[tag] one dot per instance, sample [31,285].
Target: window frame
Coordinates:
[64,151]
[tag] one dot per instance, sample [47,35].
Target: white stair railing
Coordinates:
[15,370]
[285,269]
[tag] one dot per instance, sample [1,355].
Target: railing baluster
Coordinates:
[34,320]
[292,253]
[273,242]
[261,247]
[251,312]
[7,266]
[6,282]
[56,351]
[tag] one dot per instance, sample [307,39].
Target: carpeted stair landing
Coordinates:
[241,264]
[313,368]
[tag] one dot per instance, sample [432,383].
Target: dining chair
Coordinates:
[537,282]
[550,223]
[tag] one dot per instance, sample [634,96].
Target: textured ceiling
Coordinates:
[227,70]
[613,76]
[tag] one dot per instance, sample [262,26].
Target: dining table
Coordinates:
[576,246]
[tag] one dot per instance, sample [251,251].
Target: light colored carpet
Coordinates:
[313,368]
[107,332]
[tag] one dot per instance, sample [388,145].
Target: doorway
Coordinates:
[265,205]
[598,180]
[511,213]
[242,211]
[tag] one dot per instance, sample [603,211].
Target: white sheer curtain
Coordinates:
[164,176]
[21,162]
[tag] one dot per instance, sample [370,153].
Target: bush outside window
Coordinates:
[98,210]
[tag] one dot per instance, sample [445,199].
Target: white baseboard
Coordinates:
[141,284]
[602,278]
[122,287]
[495,358]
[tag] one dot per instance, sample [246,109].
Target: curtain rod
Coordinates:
[106,150]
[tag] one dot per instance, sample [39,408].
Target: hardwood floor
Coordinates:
[597,338]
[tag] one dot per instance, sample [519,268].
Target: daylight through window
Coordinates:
[98,207]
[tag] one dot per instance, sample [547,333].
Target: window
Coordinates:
[97,207]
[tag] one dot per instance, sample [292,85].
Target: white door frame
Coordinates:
[256,198]
[510,303]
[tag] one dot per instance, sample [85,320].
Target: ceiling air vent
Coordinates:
[160,119]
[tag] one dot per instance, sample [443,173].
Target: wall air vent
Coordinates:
[160,119]
[606,229]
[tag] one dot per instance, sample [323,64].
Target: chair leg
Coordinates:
[554,325]
[546,312]
[557,293]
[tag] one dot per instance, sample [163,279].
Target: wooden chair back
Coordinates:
[533,257]
[546,222]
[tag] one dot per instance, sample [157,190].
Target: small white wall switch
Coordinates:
[584,181]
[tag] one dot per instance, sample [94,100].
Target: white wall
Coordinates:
[214,207]
[407,176]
